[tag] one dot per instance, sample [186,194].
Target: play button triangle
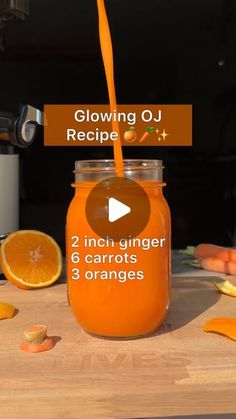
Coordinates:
[116,210]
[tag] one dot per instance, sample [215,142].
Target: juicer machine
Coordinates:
[15,131]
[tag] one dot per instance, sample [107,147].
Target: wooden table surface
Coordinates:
[179,370]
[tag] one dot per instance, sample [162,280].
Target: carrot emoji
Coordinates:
[148,131]
[36,339]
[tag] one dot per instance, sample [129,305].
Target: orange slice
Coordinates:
[30,259]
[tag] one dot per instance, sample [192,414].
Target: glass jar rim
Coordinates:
[135,169]
[109,165]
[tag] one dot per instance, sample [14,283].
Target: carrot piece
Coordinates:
[45,345]
[223,325]
[218,265]
[206,250]
[36,334]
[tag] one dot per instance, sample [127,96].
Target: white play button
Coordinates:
[116,210]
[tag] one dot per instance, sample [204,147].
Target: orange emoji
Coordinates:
[130,135]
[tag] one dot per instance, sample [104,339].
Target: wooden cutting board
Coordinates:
[177,371]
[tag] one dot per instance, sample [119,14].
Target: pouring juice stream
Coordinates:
[107,54]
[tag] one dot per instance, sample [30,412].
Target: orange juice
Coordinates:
[119,289]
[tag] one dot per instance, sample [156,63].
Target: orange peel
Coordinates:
[223,325]
[7,311]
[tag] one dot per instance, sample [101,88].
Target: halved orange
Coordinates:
[30,259]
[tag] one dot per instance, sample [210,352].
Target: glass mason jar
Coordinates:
[127,307]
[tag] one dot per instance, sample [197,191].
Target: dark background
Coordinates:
[166,51]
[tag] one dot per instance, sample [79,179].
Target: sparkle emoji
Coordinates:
[130,135]
[164,134]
